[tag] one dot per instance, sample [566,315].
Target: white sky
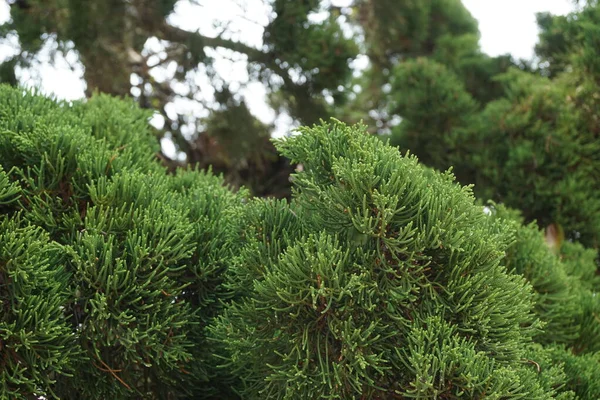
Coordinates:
[507,26]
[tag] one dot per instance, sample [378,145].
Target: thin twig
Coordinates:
[112,371]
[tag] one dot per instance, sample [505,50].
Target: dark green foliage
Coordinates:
[582,371]
[399,34]
[412,28]
[317,54]
[145,251]
[100,31]
[530,141]
[240,157]
[380,279]
[395,288]
[562,36]
[537,150]
[462,55]
[565,285]
[36,341]
[557,297]
[320,50]
[418,87]
[7,72]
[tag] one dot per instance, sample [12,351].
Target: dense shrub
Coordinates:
[389,282]
[380,279]
[135,256]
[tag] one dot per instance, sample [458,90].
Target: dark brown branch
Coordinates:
[178,35]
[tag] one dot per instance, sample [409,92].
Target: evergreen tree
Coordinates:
[566,286]
[399,32]
[535,146]
[110,267]
[36,344]
[389,282]
[380,279]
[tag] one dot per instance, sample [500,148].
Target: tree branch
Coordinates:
[178,35]
[267,60]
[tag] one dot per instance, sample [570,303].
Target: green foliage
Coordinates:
[400,34]
[537,150]
[36,341]
[270,226]
[390,284]
[530,141]
[562,36]
[7,72]
[418,87]
[582,371]
[145,251]
[462,55]
[79,21]
[317,55]
[412,28]
[320,51]
[381,278]
[565,285]
[9,191]
[303,62]
[234,152]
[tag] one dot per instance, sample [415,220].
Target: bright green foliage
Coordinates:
[389,283]
[270,226]
[36,342]
[135,260]
[9,191]
[566,287]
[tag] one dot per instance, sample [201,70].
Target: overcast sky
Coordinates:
[507,26]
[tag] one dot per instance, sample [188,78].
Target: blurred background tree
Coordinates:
[300,63]
[527,136]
